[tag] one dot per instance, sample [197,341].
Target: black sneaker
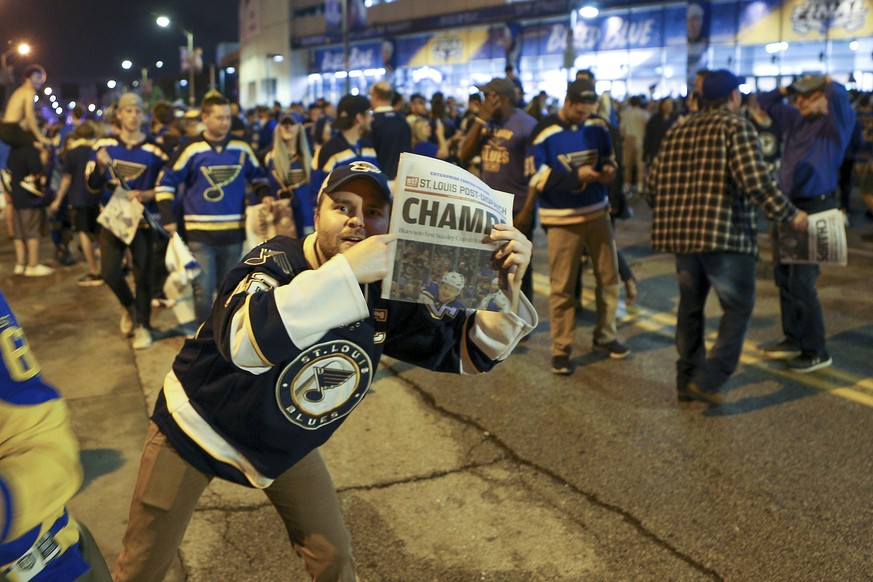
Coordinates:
[782,350]
[805,364]
[561,365]
[697,393]
[615,349]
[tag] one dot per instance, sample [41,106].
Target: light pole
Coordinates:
[164,22]
[21,49]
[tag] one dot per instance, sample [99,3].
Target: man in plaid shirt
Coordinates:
[703,187]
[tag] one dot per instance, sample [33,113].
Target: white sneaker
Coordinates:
[142,338]
[31,185]
[126,324]
[37,271]
[18,270]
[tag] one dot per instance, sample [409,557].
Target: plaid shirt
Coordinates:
[704,182]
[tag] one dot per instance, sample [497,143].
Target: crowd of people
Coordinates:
[705,165]
[572,166]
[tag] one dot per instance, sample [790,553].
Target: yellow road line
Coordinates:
[832,380]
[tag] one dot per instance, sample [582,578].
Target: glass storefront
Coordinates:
[640,50]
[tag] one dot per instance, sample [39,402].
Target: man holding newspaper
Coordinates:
[131,163]
[817,128]
[291,347]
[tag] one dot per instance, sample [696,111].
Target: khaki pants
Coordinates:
[566,244]
[166,494]
[633,162]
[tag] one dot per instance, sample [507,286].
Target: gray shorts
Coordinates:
[28,223]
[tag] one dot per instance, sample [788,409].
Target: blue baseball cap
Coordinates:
[356,171]
[719,84]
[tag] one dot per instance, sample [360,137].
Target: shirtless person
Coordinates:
[20,130]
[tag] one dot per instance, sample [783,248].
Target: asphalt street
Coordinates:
[520,475]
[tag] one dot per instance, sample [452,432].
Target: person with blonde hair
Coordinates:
[288,165]
[421,144]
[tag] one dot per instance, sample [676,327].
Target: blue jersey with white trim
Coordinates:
[39,467]
[214,176]
[559,150]
[335,153]
[137,164]
[288,352]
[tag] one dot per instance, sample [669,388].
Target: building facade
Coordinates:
[639,47]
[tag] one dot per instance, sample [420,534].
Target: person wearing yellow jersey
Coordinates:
[39,473]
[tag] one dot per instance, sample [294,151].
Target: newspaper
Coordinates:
[823,242]
[121,216]
[442,216]
[263,224]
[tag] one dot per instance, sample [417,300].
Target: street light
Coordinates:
[21,49]
[164,22]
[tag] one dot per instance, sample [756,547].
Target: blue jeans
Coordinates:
[802,317]
[216,261]
[732,276]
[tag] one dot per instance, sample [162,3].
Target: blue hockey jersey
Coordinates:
[559,150]
[215,176]
[137,164]
[335,153]
[288,352]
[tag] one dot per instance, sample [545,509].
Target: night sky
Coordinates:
[84,41]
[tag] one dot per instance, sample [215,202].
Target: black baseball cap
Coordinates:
[582,91]
[502,87]
[356,171]
[348,107]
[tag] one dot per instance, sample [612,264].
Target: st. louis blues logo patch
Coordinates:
[324,383]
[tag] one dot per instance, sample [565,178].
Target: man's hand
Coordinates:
[103,158]
[170,228]
[511,260]
[587,174]
[489,106]
[607,175]
[369,258]
[800,222]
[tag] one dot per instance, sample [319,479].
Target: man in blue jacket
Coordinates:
[817,130]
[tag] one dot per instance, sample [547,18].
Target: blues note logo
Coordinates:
[324,383]
[129,171]
[218,177]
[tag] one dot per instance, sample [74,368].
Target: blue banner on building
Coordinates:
[640,28]
[361,56]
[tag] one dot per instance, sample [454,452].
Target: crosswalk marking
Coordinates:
[832,380]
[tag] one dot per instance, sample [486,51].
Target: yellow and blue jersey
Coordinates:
[39,467]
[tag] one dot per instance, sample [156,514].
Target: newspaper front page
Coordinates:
[443,216]
[121,216]
[823,242]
